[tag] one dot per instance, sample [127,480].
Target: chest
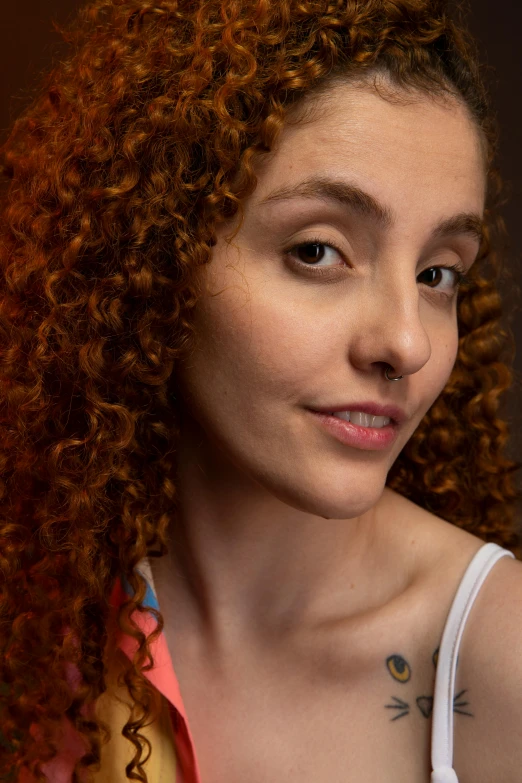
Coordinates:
[305,725]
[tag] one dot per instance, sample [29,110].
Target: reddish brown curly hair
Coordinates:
[138,144]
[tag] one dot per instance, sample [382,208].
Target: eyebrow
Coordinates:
[463,223]
[348,195]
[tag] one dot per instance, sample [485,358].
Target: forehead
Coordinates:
[412,150]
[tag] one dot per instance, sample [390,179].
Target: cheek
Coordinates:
[450,348]
[442,360]
[254,347]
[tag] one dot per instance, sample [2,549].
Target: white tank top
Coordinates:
[442,716]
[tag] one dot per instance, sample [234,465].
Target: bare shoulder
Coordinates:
[488,745]
[488,729]
[492,640]
[487,713]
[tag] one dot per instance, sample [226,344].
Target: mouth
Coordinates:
[359,419]
[360,412]
[356,435]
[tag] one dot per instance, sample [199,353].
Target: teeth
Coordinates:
[363,419]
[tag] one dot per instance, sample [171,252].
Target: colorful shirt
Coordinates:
[172,759]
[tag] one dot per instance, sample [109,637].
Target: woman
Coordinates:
[255,503]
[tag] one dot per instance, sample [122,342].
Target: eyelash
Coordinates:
[460,274]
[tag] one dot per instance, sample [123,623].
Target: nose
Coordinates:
[392,329]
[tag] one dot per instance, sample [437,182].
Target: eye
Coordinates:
[458,275]
[398,668]
[311,252]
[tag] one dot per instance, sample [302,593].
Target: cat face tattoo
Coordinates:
[399,668]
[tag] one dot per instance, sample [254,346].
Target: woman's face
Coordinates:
[282,331]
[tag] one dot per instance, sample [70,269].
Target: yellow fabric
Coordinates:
[114,707]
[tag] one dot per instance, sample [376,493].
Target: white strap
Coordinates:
[442,720]
[444,775]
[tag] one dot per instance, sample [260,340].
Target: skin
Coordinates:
[280,526]
[296,583]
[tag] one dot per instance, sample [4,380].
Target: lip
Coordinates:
[368,438]
[396,414]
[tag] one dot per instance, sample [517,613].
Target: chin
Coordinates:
[341,507]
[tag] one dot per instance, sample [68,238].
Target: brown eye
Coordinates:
[434,274]
[398,668]
[313,252]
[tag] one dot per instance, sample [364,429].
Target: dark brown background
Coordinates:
[29,44]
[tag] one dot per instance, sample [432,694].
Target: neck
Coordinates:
[244,563]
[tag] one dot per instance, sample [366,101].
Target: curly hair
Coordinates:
[136,146]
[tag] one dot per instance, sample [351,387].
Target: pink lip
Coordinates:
[369,438]
[373,408]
